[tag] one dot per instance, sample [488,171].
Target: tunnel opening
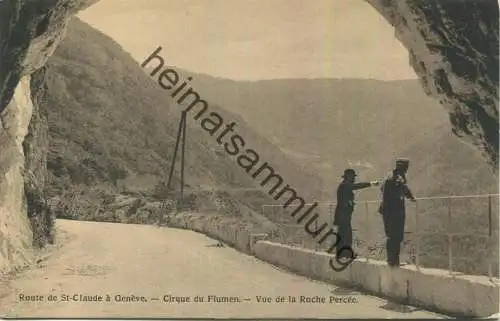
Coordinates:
[426,170]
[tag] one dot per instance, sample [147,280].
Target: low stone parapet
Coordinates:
[430,288]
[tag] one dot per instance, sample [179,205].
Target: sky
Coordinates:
[258,39]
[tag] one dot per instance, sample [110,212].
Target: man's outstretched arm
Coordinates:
[362,185]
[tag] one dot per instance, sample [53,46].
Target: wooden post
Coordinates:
[179,133]
[183,150]
[450,240]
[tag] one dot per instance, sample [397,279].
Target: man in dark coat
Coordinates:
[344,209]
[394,191]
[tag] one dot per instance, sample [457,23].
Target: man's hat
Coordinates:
[349,172]
[402,161]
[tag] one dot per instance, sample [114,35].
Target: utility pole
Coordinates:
[181,137]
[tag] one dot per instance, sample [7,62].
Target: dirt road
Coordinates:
[146,271]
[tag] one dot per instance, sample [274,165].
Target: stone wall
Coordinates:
[429,288]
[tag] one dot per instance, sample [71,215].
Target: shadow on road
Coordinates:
[344,291]
[390,306]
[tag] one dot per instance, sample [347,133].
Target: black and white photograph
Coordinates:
[249,159]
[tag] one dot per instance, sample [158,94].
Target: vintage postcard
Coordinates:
[250,159]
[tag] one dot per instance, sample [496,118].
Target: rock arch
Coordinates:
[457,63]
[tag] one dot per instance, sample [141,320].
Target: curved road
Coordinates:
[130,261]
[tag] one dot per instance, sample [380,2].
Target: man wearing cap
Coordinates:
[343,212]
[394,191]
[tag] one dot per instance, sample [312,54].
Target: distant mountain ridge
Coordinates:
[330,124]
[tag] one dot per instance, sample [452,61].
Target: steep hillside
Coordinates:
[118,125]
[109,124]
[113,129]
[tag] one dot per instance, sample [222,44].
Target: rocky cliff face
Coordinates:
[29,33]
[453,47]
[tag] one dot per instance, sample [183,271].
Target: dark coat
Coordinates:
[345,201]
[394,191]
